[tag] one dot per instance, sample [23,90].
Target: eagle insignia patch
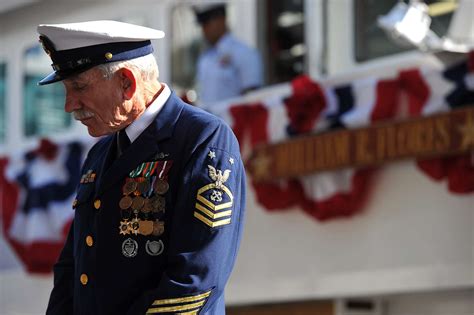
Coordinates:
[214,201]
[217,176]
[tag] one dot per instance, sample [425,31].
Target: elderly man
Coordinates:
[228,67]
[159,208]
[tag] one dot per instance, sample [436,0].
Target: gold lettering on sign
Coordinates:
[298,161]
[380,143]
[391,142]
[329,150]
[310,154]
[341,148]
[363,155]
[413,140]
[425,137]
[287,160]
[441,125]
[401,142]
[436,135]
[319,161]
[467,131]
[291,158]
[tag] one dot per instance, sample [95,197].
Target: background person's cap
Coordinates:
[77,47]
[206,12]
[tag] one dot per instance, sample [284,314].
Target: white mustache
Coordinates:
[82,114]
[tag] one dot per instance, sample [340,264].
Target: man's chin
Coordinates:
[98,133]
[95,133]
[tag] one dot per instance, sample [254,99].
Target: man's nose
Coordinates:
[71,103]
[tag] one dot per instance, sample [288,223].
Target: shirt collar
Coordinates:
[139,125]
[221,42]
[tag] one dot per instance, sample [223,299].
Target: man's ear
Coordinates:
[128,83]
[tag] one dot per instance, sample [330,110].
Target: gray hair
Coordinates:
[145,65]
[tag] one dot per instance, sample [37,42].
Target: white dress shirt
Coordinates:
[139,125]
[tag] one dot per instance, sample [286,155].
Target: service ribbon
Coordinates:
[136,172]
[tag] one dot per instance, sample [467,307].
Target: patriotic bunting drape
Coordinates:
[37,190]
[432,92]
[307,106]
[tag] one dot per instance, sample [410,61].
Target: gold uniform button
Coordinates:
[84,279]
[97,204]
[89,241]
[74,203]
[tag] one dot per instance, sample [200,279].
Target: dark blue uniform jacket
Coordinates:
[148,250]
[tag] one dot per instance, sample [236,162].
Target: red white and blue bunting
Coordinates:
[312,107]
[37,189]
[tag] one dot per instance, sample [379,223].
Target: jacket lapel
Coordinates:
[145,146]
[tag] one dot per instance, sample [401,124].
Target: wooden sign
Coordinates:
[435,135]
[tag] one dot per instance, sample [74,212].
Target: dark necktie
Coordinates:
[122,142]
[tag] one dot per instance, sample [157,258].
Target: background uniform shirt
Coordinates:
[226,69]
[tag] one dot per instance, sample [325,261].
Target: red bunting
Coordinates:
[387,100]
[38,256]
[457,170]
[304,105]
[412,83]
[343,204]
[250,120]
[303,109]
[46,149]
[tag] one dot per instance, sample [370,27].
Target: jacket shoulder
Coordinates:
[199,127]
[199,120]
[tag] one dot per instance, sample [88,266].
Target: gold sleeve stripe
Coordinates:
[213,206]
[167,309]
[212,215]
[209,222]
[183,299]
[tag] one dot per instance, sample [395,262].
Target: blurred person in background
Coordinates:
[227,67]
[159,208]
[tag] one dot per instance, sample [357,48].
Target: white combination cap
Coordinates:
[77,47]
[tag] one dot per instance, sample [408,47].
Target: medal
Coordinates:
[146,227]
[129,187]
[147,207]
[143,187]
[125,202]
[138,180]
[129,248]
[89,177]
[135,226]
[154,248]
[158,228]
[124,227]
[138,203]
[158,203]
[161,186]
